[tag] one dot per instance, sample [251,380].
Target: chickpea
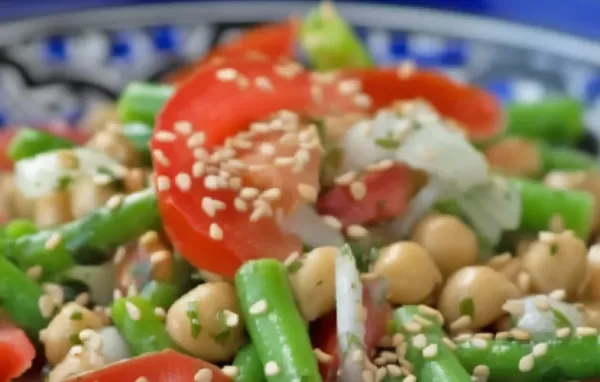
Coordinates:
[116,146]
[71,320]
[80,359]
[591,311]
[593,288]
[557,261]
[450,243]
[476,291]
[86,196]
[53,209]
[514,156]
[411,273]
[508,265]
[215,303]
[100,116]
[17,204]
[578,180]
[314,283]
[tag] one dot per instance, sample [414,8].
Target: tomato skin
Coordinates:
[478,111]
[323,333]
[388,193]
[16,350]
[272,41]
[164,366]
[207,103]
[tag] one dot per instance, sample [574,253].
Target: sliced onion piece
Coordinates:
[44,173]
[349,307]
[445,154]
[309,226]
[491,208]
[542,323]
[114,347]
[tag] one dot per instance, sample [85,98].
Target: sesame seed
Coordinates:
[345,178]
[358,190]
[307,192]
[242,82]
[267,149]
[83,298]
[196,139]
[410,378]
[502,335]
[289,70]
[271,194]
[76,350]
[430,351]
[583,331]
[540,349]
[159,256]
[249,193]
[401,351]
[200,154]
[332,221]
[215,232]
[394,370]
[160,157]
[526,363]
[317,94]
[362,100]
[261,209]
[34,272]
[380,374]
[367,376]
[479,343]
[322,357]
[115,201]
[198,169]
[419,341]
[357,231]
[240,205]
[357,356]
[413,327]
[463,322]
[230,371]
[271,369]
[485,336]
[422,320]
[563,332]
[514,307]
[258,307]
[427,310]
[227,74]
[481,371]
[117,294]
[164,136]
[449,343]
[231,319]
[46,305]
[163,183]
[520,334]
[133,311]
[209,206]
[183,127]
[212,182]
[558,294]
[203,375]
[406,69]
[380,166]
[142,379]
[284,161]
[348,87]
[53,241]
[160,313]
[183,182]
[263,83]
[463,337]
[398,339]
[547,237]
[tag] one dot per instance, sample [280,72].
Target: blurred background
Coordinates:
[58,60]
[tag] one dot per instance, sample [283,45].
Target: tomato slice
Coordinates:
[217,105]
[273,41]
[323,333]
[16,352]
[388,194]
[164,366]
[478,111]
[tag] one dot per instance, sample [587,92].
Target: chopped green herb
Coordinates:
[192,314]
[64,183]
[225,332]
[467,307]
[320,282]
[74,339]
[554,248]
[387,143]
[76,316]
[332,156]
[560,320]
[294,266]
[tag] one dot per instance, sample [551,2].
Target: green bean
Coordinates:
[19,227]
[160,294]
[443,366]
[567,159]
[30,142]
[141,102]
[539,204]
[278,331]
[250,369]
[19,298]
[139,135]
[143,331]
[56,250]
[330,43]
[574,357]
[558,120]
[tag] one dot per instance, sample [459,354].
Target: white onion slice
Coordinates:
[114,347]
[309,226]
[542,324]
[349,304]
[98,278]
[42,174]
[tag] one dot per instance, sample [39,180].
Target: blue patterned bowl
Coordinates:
[58,59]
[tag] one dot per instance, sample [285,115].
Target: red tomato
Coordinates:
[323,333]
[388,193]
[220,106]
[164,366]
[479,112]
[16,352]
[78,136]
[274,41]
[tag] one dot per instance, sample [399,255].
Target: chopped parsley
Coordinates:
[64,182]
[225,331]
[467,307]
[554,248]
[76,316]
[74,339]
[387,143]
[192,314]
[560,320]
[294,266]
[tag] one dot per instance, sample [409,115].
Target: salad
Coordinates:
[261,217]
